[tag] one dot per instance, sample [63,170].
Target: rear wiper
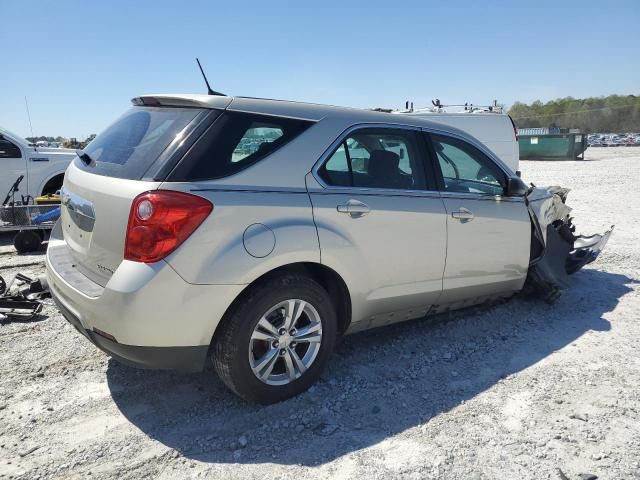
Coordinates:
[84,157]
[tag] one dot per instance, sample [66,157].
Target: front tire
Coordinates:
[276,339]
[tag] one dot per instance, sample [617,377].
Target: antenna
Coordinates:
[209,90]
[29,117]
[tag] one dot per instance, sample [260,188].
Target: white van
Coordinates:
[494,129]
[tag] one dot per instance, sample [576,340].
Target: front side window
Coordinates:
[377,158]
[465,169]
[8,149]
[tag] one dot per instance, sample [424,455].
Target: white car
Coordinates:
[42,167]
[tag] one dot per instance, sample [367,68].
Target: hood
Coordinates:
[69,151]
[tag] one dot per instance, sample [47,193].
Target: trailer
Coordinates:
[32,224]
[30,218]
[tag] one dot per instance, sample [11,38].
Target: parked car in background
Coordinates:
[42,167]
[45,143]
[177,244]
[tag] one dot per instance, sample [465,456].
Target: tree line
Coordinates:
[615,113]
[43,138]
[65,142]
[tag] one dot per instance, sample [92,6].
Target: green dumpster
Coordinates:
[544,144]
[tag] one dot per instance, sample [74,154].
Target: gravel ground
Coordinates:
[521,390]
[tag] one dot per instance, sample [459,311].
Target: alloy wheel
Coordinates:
[285,342]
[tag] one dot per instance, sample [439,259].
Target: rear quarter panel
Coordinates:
[216,253]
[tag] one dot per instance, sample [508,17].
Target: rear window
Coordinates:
[234,142]
[134,142]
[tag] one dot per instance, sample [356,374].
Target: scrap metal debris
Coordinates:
[20,299]
[29,451]
[577,416]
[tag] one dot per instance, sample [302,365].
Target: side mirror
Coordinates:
[516,187]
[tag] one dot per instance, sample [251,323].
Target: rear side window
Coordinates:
[134,142]
[234,142]
[257,137]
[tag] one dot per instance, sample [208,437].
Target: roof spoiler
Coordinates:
[180,100]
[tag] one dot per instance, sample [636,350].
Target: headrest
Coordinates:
[383,163]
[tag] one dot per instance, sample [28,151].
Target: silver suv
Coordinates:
[253,232]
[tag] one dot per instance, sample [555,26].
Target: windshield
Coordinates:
[131,145]
[14,137]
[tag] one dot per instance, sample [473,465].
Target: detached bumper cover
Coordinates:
[185,359]
[561,253]
[586,250]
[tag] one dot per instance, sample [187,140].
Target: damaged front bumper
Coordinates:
[586,250]
[556,252]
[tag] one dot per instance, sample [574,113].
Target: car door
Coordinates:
[381,223]
[41,166]
[488,232]
[12,165]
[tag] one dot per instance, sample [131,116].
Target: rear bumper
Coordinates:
[185,359]
[146,315]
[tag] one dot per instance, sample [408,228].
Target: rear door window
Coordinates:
[234,142]
[378,158]
[134,142]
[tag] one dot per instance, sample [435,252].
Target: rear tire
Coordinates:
[239,345]
[27,241]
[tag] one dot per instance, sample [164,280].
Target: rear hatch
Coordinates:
[130,157]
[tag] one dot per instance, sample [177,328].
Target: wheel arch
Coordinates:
[52,181]
[328,278]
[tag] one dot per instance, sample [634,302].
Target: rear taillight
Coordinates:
[160,221]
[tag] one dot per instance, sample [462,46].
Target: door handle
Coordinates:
[463,214]
[354,208]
